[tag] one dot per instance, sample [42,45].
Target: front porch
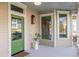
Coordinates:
[56,22]
[45,51]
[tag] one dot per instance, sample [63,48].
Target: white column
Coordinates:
[55,35]
[78,27]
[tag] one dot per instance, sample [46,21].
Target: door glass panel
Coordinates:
[46,27]
[16,29]
[63,25]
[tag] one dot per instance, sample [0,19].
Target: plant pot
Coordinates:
[36,45]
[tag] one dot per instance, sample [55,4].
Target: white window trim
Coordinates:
[68,22]
[49,14]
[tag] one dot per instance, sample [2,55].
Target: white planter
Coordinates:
[36,45]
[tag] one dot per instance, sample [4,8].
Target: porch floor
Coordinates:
[45,51]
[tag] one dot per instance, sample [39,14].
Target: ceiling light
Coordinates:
[37,3]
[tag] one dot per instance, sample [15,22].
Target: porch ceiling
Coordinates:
[46,7]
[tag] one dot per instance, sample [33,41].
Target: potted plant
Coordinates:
[36,39]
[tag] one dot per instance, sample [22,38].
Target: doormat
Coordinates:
[21,54]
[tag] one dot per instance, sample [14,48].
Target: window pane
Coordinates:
[46,27]
[62,25]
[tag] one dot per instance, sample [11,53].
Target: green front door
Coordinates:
[17,34]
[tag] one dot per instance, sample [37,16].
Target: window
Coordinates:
[62,25]
[15,8]
[46,27]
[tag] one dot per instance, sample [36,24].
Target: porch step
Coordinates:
[21,54]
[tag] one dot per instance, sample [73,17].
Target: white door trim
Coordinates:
[9,22]
[9,28]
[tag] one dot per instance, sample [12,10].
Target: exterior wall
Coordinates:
[63,43]
[46,42]
[4,40]
[31,28]
[60,42]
